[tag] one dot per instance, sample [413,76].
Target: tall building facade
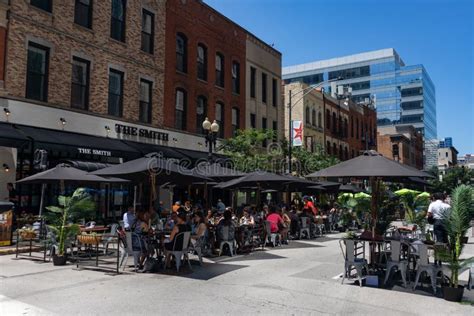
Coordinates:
[446,142]
[263,91]
[205,69]
[342,128]
[404,95]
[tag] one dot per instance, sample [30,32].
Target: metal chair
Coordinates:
[182,254]
[107,238]
[273,238]
[128,250]
[423,265]
[351,261]
[226,241]
[304,227]
[396,262]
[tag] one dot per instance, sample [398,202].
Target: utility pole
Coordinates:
[290,132]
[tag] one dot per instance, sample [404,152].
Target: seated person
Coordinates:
[224,234]
[247,219]
[275,220]
[179,227]
[170,223]
[200,227]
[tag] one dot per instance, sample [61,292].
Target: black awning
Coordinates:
[79,143]
[166,152]
[11,136]
[87,165]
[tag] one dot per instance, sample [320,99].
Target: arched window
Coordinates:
[328,119]
[220,70]
[235,77]
[328,147]
[180,109]
[235,120]
[181,52]
[313,117]
[341,153]
[357,128]
[201,113]
[307,116]
[334,149]
[202,62]
[334,123]
[219,116]
[320,120]
[346,128]
[352,129]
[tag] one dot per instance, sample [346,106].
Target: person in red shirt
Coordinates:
[309,206]
[276,221]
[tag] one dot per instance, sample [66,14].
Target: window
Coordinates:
[180,109]
[320,120]
[274,92]
[334,123]
[253,78]
[181,53]
[357,128]
[201,113]
[45,5]
[219,70]
[352,128]
[346,128]
[275,128]
[350,73]
[202,62]
[328,119]
[264,126]
[83,13]
[235,77]
[117,23]
[346,153]
[313,117]
[307,116]
[412,92]
[334,149]
[80,83]
[264,87]
[145,101]
[148,31]
[235,120]
[253,120]
[328,147]
[37,72]
[220,118]
[395,151]
[341,153]
[115,93]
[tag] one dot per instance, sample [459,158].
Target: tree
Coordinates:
[453,177]
[246,152]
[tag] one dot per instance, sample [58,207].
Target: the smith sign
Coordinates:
[141,132]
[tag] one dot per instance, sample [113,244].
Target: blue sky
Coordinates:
[435,33]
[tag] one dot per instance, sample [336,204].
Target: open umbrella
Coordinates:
[262,179]
[216,171]
[349,188]
[64,173]
[373,166]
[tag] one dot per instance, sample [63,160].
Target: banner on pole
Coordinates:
[297,133]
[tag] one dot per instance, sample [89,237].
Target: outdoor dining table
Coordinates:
[95,229]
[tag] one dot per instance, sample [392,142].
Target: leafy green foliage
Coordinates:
[72,208]
[457,222]
[416,206]
[454,177]
[246,151]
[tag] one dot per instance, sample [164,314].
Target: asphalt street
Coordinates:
[300,279]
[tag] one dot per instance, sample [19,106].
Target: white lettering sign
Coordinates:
[97,152]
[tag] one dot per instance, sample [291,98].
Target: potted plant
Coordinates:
[70,209]
[456,223]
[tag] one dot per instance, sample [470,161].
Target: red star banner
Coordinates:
[297,133]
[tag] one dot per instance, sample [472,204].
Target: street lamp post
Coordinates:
[305,92]
[211,131]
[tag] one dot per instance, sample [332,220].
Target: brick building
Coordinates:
[401,143]
[343,128]
[205,68]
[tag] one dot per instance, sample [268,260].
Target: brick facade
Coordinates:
[65,39]
[401,143]
[202,24]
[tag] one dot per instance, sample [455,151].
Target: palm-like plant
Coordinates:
[456,223]
[70,209]
[416,206]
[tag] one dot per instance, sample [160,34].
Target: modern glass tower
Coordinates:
[404,95]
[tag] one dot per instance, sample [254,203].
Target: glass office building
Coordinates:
[404,95]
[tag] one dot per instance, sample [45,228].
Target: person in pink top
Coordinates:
[276,221]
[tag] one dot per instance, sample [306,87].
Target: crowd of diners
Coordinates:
[218,223]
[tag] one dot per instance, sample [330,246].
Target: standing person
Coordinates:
[129,218]
[436,210]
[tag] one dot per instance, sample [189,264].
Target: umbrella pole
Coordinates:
[43,188]
[135,198]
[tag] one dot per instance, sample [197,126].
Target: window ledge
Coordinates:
[83,28]
[219,87]
[113,40]
[147,53]
[181,73]
[236,94]
[41,10]
[202,81]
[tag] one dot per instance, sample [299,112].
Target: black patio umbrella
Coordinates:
[64,173]
[295,184]
[327,186]
[350,188]
[262,179]
[216,171]
[152,166]
[373,166]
